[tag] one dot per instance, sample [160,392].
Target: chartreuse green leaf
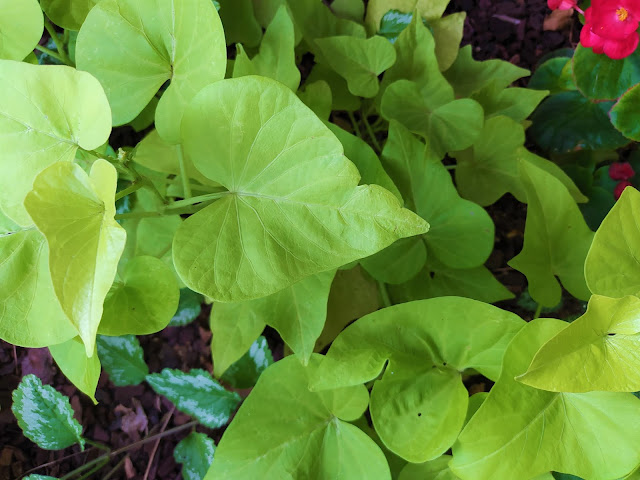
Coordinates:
[556,239]
[38,129]
[276,58]
[447,32]
[399,262]
[516,103]
[284,430]
[611,266]
[350,9]
[197,394]
[341,98]
[83,371]
[358,60]
[75,211]
[195,453]
[142,300]
[622,113]
[240,23]
[283,218]
[437,469]
[69,14]
[318,97]
[30,314]
[189,308]
[245,372]
[21,27]
[315,20]
[134,46]
[297,312]
[7,225]
[419,406]
[600,78]
[123,359]
[265,10]
[45,415]
[597,352]
[428,9]
[520,431]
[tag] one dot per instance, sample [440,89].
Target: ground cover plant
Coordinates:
[322,171]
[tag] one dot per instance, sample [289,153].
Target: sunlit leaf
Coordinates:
[83,371]
[21,26]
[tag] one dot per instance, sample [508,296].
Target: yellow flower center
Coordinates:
[622,14]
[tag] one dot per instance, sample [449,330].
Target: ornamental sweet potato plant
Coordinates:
[305,165]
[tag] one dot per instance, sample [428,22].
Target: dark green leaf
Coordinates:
[624,114]
[393,23]
[245,372]
[195,453]
[189,308]
[123,359]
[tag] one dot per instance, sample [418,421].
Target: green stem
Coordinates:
[386,301]
[198,199]
[356,128]
[97,445]
[129,190]
[451,167]
[183,173]
[59,44]
[372,135]
[99,466]
[161,213]
[538,311]
[49,52]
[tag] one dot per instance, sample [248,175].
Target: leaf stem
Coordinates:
[97,445]
[372,135]
[451,167]
[386,301]
[59,43]
[132,188]
[49,52]
[538,311]
[356,128]
[183,173]
[198,199]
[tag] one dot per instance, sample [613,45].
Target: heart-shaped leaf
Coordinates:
[424,357]
[292,218]
[123,359]
[134,46]
[83,371]
[69,14]
[21,27]
[75,211]
[284,430]
[34,126]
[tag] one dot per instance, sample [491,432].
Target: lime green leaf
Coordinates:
[235,327]
[437,469]
[516,103]
[195,453]
[318,97]
[468,76]
[36,125]
[428,9]
[189,308]
[399,262]
[196,394]
[75,211]
[291,218]
[142,300]
[69,14]
[359,61]
[350,9]
[315,20]
[597,352]
[123,359]
[447,32]
[134,46]
[341,98]
[83,371]
[245,372]
[240,23]
[611,266]
[556,239]
[424,358]
[276,58]
[31,315]
[600,78]
[21,27]
[623,113]
[283,430]
[567,432]
[146,117]
[265,10]
[45,415]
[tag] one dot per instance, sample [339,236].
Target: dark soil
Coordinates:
[509,30]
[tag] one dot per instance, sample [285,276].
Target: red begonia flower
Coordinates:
[620,188]
[614,19]
[612,47]
[621,171]
[562,4]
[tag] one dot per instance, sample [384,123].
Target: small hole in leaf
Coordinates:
[419,414]
[611,334]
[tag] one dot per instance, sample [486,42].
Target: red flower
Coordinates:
[620,188]
[611,26]
[621,171]
[562,4]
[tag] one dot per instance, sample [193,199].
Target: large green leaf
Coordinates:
[359,61]
[30,314]
[240,23]
[399,262]
[197,394]
[515,103]
[283,430]
[521,432]
[195,453]
[419,406]
[134,46]
[21,27]
[551,76]
[611,268]
[437,469]
[283,218]
[556,239]
[69,14]
[83,371]
[123,359]
[447,32]
[341,98]
[45,415]
[315,20]
[597,352]
[623,113]
[38,128]
[276,58]
[75,211]
[142,300]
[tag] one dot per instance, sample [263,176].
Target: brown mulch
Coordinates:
[509,30]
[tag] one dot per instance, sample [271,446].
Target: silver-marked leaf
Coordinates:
[82,370]
[21,25]
[197,394]
[46,113]
[189,307]
[245,372]
[45,415]
[34,476]
[134,46]
[195,453]
[293,207]
[75,211]
[123,359]
[69,14]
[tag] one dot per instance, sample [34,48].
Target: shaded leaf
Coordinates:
[437,469]
[83,371]
[123,359]
[195,453]
[240,23]
[189,307]
[68,14]
[622,114]
[245,372]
